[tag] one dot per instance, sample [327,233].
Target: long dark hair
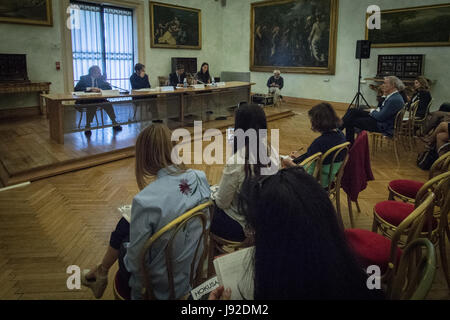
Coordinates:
[247,117]
[206,74]
[300,249]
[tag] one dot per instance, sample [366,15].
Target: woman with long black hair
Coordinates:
[247,161]
[203,74]
[300,251]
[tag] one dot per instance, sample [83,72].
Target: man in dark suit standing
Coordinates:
[94,82]
[377,120]
[176,79]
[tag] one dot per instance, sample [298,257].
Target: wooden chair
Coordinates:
[375,249]
[414,274]
[408,122]
[312,164]
[388,214]
[331,180]
[163,81]
[83,110]
[406,190]
[418,123]
[202,213]
[399,134]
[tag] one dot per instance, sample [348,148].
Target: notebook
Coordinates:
[235,271]
[126,212]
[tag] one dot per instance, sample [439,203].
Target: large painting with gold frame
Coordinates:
[294,36]
[425,26]
[37,12]
[175,27]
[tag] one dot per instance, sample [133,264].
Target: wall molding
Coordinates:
[20,112]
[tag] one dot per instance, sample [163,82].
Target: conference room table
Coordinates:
[59,104]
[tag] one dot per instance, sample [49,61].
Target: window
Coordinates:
[105,38]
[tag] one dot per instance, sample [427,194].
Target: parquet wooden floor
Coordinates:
[67,219]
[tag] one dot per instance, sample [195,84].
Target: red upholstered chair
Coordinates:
[374,249]
[406,190]
[388,215]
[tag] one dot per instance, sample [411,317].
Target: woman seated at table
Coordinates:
[324,120]
[203,75]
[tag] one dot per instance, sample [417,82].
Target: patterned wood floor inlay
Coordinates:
[67,219]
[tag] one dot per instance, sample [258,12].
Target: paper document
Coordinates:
[235,271]
[126,212]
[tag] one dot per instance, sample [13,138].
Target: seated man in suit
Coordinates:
[275,84]
[95,82]
[377,120]
[176,79]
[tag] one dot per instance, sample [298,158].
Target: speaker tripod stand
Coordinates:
[359,95]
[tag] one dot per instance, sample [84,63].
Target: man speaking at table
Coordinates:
[95,82]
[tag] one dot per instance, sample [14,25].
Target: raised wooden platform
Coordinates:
[27,154]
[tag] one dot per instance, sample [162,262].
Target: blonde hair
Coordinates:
[153,153]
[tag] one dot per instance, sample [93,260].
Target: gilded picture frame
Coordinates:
[306,32]
[175,27]
[27,12]
[424,26]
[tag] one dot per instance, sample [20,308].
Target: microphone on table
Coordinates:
[123,91]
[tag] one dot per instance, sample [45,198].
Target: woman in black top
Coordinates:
[139,79]
[422,94]
[203,74]
[324,120]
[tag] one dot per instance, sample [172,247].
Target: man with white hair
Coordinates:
[377,120]
[275,84]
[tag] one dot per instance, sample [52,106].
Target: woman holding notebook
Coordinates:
[300,249]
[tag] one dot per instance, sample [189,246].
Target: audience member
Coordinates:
[246,162]
[421,94]
[173,192]
[377,120]
[300,251]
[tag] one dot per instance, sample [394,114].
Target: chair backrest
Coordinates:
[439,185]
[311,164]
[201,213]
[412,226]
[399,124]
[442,164]
[330,175]
[415,272]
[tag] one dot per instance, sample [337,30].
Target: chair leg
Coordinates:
[338,209]
[357,206]
[374,225]
[96,118]
[81,118]
[350,213]
[391,196]
[396,151]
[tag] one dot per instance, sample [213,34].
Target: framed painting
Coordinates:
[175,27]
[425,26]
[37,12]
[294,36]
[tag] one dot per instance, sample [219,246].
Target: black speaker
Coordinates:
[363,49]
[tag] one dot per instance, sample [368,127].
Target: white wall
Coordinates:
[351,27]
[225,45]
[42,45]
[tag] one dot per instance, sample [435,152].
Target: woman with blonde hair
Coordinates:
[167,191]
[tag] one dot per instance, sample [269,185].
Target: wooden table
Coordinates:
[25,87]
[56,103]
